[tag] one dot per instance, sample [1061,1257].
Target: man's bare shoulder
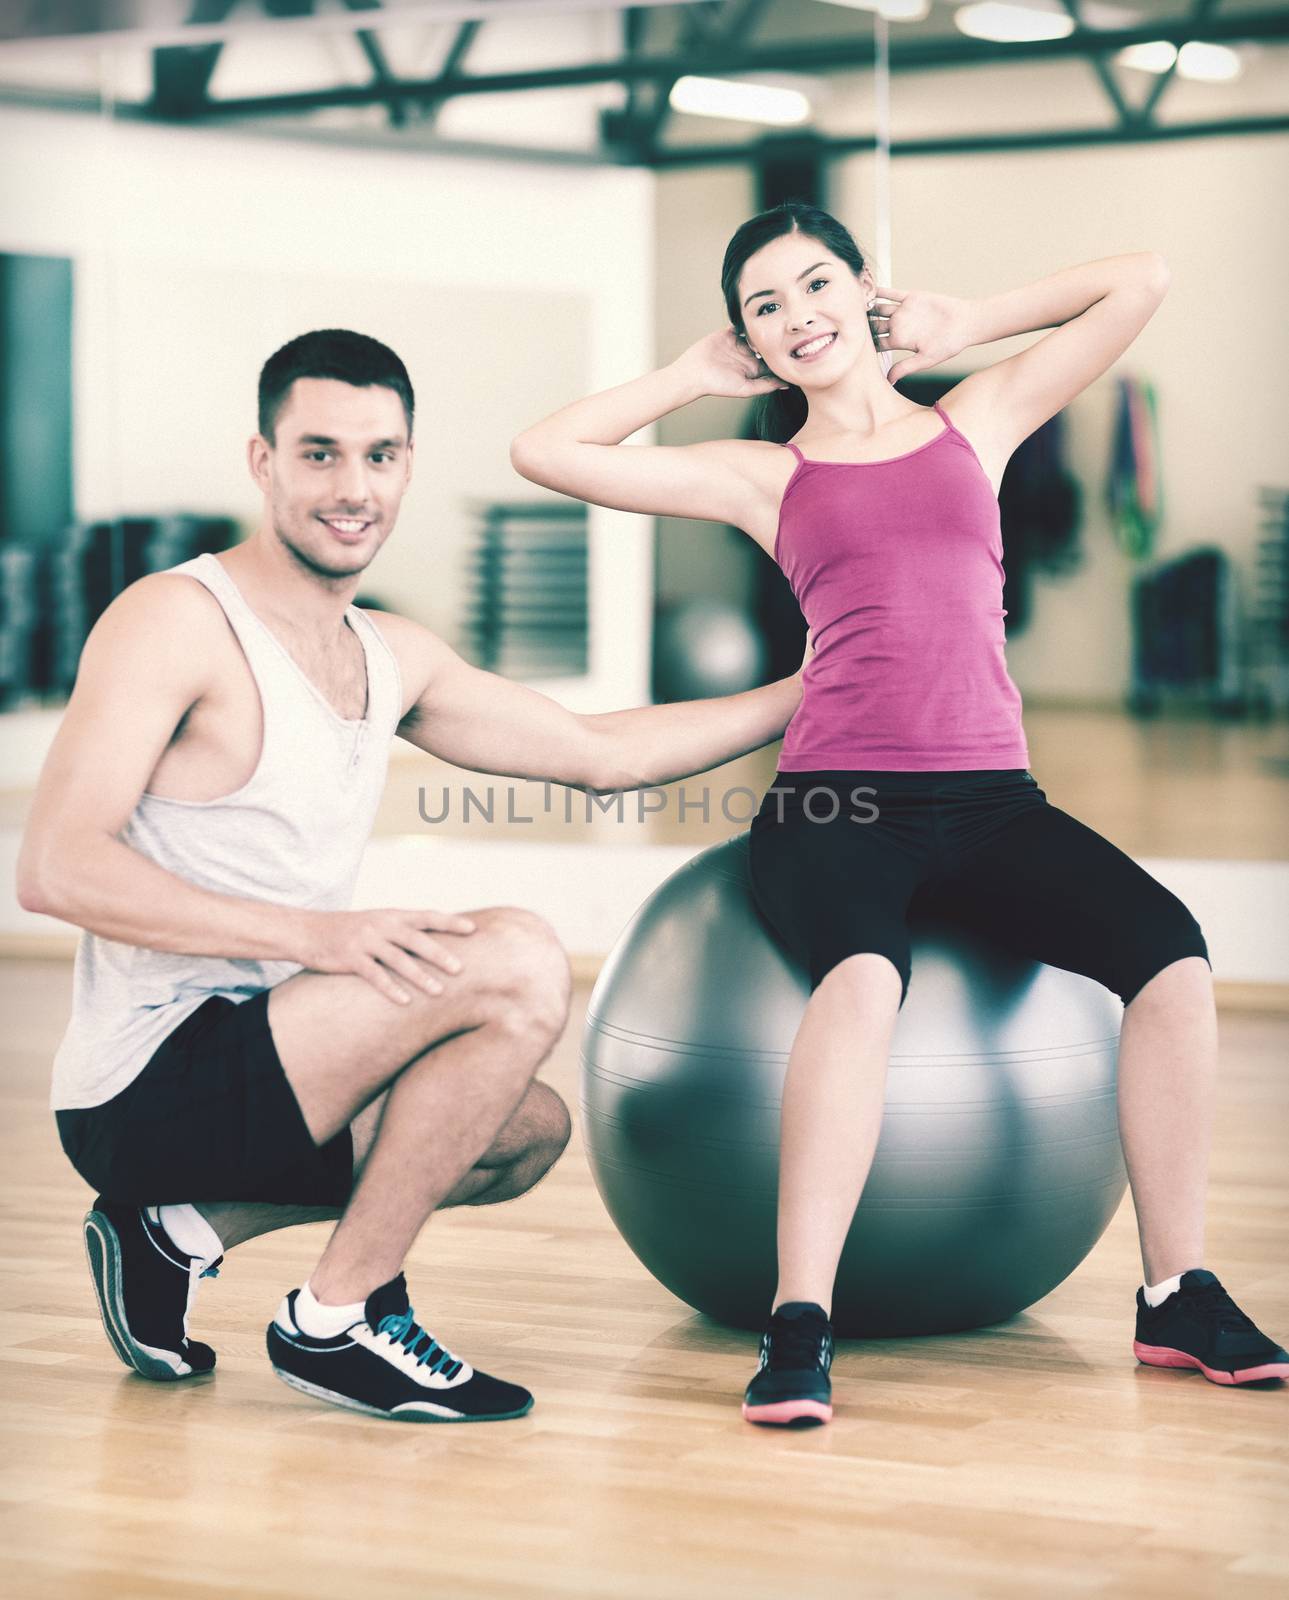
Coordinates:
[166,610]
[419,652]
[162,642]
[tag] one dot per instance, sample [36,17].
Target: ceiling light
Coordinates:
[1013,24]
[1156,56]
[739,101]
[1207,63]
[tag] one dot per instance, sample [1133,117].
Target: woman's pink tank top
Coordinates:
[898,568]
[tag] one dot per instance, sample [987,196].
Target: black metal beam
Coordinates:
[635,22]
[987,143]
[1199,13]
[382,78]
[181,74]
[451,68]
[619,126]
[711,155]
[1105,72]
[827,55]
[705,30]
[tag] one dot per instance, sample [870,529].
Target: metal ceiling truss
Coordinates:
[716,38]
[706,28]
[1139,118]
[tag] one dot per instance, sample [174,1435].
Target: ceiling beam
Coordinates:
[987,143]
[382,78]
[827,55]
[705,29]
[1199,13]
[451,68]
[93,104]
[181,74]
[1104,71]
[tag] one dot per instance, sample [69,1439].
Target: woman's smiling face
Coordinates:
[804,312]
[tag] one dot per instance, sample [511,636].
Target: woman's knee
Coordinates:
[1172,943]
[867,975]
[1172,981]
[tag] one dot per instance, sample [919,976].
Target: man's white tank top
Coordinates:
[293,834]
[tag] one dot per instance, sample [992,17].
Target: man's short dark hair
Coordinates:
[330,353]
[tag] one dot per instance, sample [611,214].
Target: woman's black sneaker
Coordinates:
[145,1287]
[792,1384]
[388,1366]
[1200,1326]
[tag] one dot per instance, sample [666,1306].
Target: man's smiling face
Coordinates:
[336,472]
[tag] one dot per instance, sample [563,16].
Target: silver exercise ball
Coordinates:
[998,1166]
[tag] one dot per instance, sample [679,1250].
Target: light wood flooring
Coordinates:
[1032,1459]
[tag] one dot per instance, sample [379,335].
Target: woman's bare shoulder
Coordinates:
[767,466]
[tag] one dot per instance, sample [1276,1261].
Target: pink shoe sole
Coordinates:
[1153,1355]
[789,1411]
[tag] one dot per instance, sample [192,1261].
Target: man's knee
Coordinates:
[529,968]
[549,1128]
[552,1125]
[529,1146]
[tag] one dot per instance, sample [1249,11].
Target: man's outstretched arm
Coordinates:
[488,723]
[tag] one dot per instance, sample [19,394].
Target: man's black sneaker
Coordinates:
[388,1366]
[145,1287]
[1199,1325]
[792,1383]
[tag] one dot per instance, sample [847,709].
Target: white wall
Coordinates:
[196,252]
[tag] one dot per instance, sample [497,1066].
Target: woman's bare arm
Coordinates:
[1095,311]
[579,450]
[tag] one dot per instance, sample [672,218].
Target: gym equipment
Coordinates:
[998,1167]
[704,649]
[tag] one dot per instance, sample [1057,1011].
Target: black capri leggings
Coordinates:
[835,858]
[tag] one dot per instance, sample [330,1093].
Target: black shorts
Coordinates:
[210,1117]
[833,873]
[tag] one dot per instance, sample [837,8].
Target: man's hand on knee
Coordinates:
[381,947]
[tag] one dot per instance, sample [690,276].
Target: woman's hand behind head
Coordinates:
[721,364]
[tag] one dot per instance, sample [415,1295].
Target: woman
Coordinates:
[883,515]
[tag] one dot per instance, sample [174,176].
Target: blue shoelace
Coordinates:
[405,1330]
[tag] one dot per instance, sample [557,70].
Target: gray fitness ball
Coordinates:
[998,1166]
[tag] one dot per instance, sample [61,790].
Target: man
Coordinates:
[245,1052]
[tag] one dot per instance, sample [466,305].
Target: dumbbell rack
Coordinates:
[526,589]
[1269,621]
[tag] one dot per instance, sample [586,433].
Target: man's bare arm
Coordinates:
[487,723]
[146,663]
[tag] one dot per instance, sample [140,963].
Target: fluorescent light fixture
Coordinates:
[1012,24]
[1156,56]
[740,101]
[892,10]
[1207,63]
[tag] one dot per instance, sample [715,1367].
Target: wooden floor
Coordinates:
[1033,1459]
